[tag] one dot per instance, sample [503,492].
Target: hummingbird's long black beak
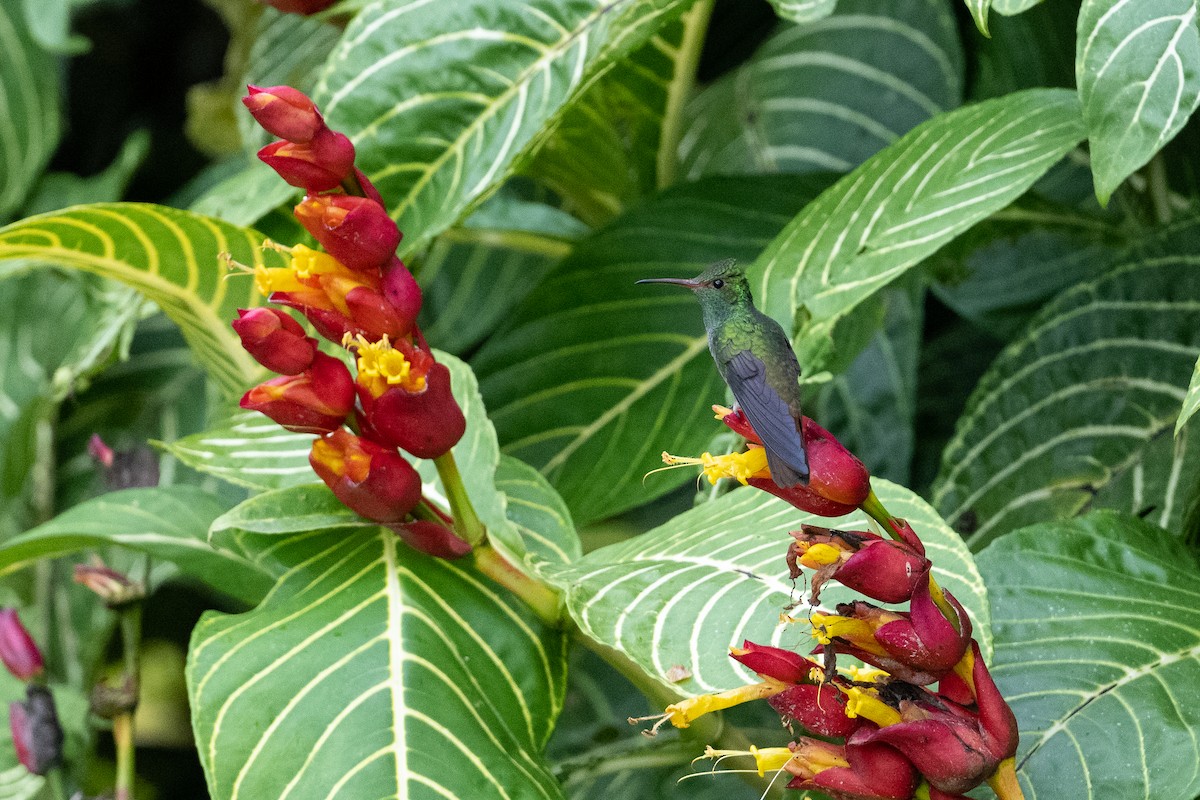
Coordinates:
[689,283]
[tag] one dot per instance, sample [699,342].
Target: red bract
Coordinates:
[774,662]
[275,340]
[284,112]
[401,290]
[315,166]
[373,481]
[425,424]
[430,537]
[857,770]
[17,650]
[820,708]
[882,569]
[315,401]
[354,230]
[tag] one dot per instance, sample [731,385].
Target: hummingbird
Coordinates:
[755,358]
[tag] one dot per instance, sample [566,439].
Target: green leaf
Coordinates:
[903,204]
[1013,7]
[1138,69]
[979,13]
[1034,49]
[372,670]
[57,330]
[171,257]
[1077,413]
[167,522]
[803,10]
[1095,625]
[436,137]
[29,126]
[595,376]
[1191,400]
[541,517]
[826,96]
[247,449]
[685,592]
[473,275]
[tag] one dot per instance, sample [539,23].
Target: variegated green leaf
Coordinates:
[1077,413]
[595,376]
[1013,7]
[1098,653]
[247,449]
[979,13]
[170,256]
[1191,400]
[1137,63]
[828,95]
[29,124]
[374,671]
[685,592]
[803,10]
[440,101]
[903,204]
[168,522]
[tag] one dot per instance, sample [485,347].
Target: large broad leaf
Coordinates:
[370,670]
[1035,49]
[1138,68]
[473,275]
[803,10]
[169,522]
[170,256]
[29,104]
[828,95]
[1096,629]
[440,99]
[906,202]
[597,376]
[1078,413]
[685,592]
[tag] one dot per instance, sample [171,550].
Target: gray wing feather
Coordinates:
[770,417]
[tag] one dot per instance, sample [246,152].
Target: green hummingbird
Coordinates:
[756,360]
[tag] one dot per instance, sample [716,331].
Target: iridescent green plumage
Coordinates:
[755,358]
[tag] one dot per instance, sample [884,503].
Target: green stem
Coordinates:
[1159,189]
[130,622]
[544,601]
[57,784]
[122,730]
[466,521]
[695,25]
[873,506]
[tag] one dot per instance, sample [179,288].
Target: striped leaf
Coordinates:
[29,123]
[1137,64]
[1191,400]
[1098,653]
[249,450]
[828,95]
[440,100]
[803,10]
[540,516]
[979,13]
[372,670]
[685,592]
[595,376]
[167,522]
[170,256]
[1077,413]
[1013,7]
[906,202]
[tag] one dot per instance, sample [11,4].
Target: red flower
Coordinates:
[315,166]
[275,340]
[882,569]
[372,480]
[315,401]
[354,230]
[284,112]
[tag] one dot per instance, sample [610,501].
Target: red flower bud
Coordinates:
[315,166]
[315,401]
[856,771]
[375,317]
[425,424]
[304,7]
[354,230]
[431,538]
[114,588]
[401,289]
[37,735]
[100,452]
[275,340]
[775,662]
[17,650]
[371,480]
[882,569]
[284,112]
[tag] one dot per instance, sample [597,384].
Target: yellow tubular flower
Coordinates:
[739,466]
[827,627]
[682,714]
[380,366]
[864,703]
[765,758]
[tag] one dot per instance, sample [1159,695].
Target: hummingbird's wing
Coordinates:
[770,417]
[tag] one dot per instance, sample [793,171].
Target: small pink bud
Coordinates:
[17,650]
[316,166]
[284,112]
[354,230]
[113,587]
[100,452]
[275,340]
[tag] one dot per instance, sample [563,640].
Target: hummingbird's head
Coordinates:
[721,283]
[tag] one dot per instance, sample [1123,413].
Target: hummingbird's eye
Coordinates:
[718,284]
